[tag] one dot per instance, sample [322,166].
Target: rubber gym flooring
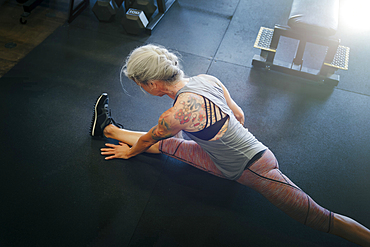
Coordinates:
[57,190]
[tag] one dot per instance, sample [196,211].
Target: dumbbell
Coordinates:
[106,10]
[135,21]
[146,5]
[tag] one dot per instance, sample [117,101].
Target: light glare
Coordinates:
[354,15]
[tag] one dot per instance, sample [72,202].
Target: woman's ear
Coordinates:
[153,84]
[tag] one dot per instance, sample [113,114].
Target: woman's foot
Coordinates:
[101,117]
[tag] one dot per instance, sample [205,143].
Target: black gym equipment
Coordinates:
[312,21]
[147,6]
[73,12]
[106,10]
[28,6]
[135,21]
[141,23]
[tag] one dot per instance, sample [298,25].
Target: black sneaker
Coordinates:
[102,116]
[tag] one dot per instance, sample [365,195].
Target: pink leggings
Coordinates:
[264,176]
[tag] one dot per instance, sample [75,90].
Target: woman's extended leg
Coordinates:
[189,152]
[265,177]
[128,137]
[351,230]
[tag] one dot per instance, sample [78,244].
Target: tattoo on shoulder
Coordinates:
[190,109]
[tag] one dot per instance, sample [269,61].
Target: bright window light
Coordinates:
[355,15]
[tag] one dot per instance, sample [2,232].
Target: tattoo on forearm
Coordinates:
[165,125]
[165,133]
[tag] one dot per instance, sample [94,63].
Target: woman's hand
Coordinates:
[116,151]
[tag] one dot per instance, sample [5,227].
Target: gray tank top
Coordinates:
[237,146]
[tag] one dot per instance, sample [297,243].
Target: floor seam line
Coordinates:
[223,37]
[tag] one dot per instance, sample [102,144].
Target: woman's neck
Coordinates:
[173,89]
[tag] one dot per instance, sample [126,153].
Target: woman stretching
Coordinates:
[220,145]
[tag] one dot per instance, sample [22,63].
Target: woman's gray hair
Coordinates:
[152,62]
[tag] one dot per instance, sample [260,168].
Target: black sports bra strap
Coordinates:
[214,111]
[205,106]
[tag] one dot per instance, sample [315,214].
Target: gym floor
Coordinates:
[59,191]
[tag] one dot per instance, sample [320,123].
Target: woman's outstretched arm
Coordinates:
[133,143]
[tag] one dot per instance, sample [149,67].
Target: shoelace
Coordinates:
[116,124]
